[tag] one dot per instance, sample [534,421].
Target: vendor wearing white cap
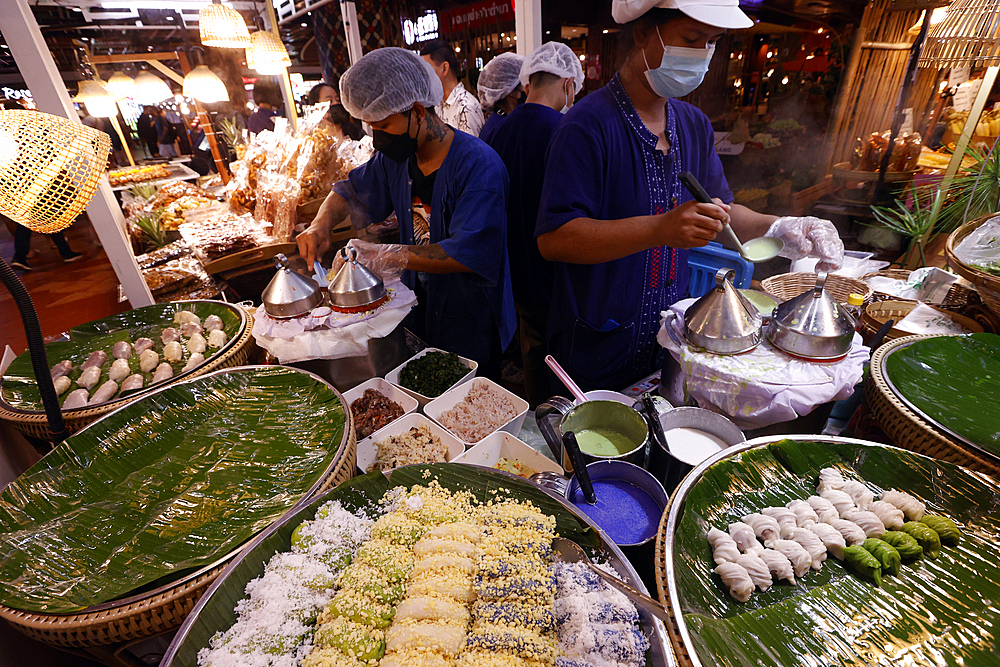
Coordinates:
[500,91]
[614,216]
[449,192]
[553,77]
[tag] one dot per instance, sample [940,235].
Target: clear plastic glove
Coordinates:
[387,260]
[809,237]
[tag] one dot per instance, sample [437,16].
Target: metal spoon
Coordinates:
[757,250]
[569,551]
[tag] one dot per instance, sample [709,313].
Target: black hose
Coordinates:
[39,361]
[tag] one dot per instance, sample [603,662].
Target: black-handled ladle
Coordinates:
[579,467]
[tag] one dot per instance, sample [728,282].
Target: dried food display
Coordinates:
[138,174]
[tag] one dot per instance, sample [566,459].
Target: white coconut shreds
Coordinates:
[598,626]
[275,621]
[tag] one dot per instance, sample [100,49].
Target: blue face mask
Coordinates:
[681,69]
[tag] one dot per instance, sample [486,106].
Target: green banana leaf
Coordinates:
[20,390]
[173,481]
[937,612]
[953,381]
[214,611]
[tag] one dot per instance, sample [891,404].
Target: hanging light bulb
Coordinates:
[267,55]
[99,101]
[202,84]
[121,86]
[223,26]
[151,89]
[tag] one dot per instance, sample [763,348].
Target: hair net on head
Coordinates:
[388,81]
[554,58]
[499,78]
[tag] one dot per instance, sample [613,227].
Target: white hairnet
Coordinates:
[554,58]
[499,78]
[388,81]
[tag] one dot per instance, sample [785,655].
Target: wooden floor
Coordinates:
[65,295]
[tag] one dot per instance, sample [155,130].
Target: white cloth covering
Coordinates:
[757,388]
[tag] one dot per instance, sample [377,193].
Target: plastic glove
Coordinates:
[387,260]
[809,237]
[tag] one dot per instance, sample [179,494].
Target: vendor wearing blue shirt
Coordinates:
[449,192]
[614,215]
[500,91]
[552,76]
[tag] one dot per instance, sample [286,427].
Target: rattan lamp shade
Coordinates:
[202,84]
[151,89]
[969,35]
[121,86]
[99,101]
[49,168]
[267,55]
[223,26]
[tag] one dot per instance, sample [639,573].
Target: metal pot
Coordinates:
[812,325]
[290,294]
[723,321]
[354,287]
[605,415]
[623,472]
[667,461]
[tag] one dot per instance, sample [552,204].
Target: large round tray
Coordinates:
[164,608]
[987,284]
[235,352]
[215,608]
[909,430]
[680,635]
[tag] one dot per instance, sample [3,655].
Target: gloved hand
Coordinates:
[387,260]
[809,237]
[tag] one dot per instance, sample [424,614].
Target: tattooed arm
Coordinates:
[431,259]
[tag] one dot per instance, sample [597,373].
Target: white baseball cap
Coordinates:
[717,13]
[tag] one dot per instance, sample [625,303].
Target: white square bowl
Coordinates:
[387,389]
[502,445]
[393,375]
[368,448]
[456,395]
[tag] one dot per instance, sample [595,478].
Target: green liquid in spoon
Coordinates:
[603,442]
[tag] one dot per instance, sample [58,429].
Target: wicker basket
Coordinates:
[162,610]
[908,430]
[986,284]
[959,297]
[660,563]
[787,286]
[36,425]
[877,313]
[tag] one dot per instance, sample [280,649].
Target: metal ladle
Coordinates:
[569,551]
[757,250]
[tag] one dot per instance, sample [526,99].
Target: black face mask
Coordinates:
[397,147]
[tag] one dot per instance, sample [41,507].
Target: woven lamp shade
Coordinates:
[969,35]
[49,168]
[151,89]
[202,84]
[99,101]
[121,86]
[267,55]
[223,26]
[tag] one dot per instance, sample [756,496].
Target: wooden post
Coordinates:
[121,135]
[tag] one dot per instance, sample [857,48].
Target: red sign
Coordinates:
[477,15]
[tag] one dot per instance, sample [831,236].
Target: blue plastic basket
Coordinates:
[705,262]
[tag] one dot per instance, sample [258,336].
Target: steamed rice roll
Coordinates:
[757,569]
[785,517]
[823,508]
[804,513]
[724,549]
[737,579]
[743,535]
[910,506]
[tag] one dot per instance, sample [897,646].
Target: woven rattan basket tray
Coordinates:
[908,430]
[787,286]
[165,608]
[986,284]
[877,313]
[956,299]
[35,425]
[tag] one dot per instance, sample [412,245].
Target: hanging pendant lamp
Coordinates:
[151,89]
[267,55]
[223,27]
[121,86]
[100,103]
[204,85]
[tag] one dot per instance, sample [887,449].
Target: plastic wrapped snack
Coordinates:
[981,248]
[277,198]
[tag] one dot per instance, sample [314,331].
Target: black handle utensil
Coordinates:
[579,466]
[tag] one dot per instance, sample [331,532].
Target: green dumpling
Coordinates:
[928,539]
[946,529]
[861,561]
[887,555]
[908,548]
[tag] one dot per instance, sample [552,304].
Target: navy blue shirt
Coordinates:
[468,220]
[492,123]
[521,142]
[603,164]
[261,119]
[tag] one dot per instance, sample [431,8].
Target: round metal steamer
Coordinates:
[165,608]
[290,294]
[723,321]
[812,325]
[355,288]
[239,350]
